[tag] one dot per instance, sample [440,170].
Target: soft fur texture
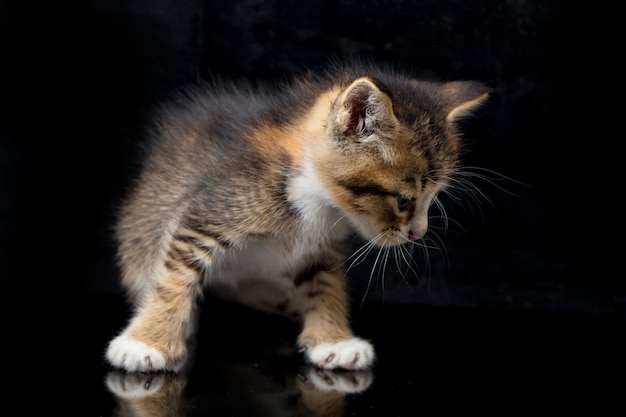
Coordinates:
[251,191]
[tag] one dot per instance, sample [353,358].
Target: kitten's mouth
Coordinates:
[396,237]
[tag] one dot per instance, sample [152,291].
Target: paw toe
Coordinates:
[134,356]
[350,354]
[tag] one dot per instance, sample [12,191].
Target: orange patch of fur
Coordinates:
[296,138]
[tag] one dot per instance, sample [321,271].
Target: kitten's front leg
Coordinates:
[327,338]
[156,337]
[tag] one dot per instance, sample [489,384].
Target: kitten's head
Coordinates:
[395,146]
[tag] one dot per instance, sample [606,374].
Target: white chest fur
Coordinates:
[269,258]
[262,274]
[319,224]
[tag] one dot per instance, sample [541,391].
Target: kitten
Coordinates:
[251,191]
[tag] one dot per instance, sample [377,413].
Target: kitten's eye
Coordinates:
[404,202]
[424,181]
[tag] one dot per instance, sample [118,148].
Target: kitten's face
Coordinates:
[386,171]
[388,202]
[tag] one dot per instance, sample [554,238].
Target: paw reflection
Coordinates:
[147,394]
[349,382]
[264,388]
[134,385]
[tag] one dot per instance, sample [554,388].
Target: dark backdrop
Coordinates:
[79,78]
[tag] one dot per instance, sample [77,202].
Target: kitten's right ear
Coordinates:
[362,113]
[461,98]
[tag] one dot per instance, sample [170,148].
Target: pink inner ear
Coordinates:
[357,116]
[356,100]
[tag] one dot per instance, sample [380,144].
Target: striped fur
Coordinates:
[250,191]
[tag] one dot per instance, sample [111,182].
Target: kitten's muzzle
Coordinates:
[418,228]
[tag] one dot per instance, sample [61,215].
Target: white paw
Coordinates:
[349,382]
[134,385]
[350,354]
[134,356]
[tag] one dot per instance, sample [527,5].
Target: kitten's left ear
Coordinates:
[461,98]
[362,113]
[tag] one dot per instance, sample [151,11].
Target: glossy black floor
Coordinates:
[431,361]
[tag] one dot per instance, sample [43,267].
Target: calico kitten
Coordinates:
[250,192]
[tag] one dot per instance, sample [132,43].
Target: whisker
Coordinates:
[440,245]
[406,251]
[337,222]
[471,188]
[369,281]
[383,269]
[445,228]
[421,244]
[396,250]
[468,188]
[469,171]
[442,210]
[362,253]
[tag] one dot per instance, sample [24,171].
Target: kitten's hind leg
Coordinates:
[326,338]
[155,338]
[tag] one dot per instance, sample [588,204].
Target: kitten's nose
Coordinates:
[419,226]
[415,236]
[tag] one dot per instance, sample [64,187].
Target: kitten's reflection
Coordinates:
[143,395]
[242,389]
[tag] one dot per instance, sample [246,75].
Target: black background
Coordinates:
[79,79]
[524,308]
